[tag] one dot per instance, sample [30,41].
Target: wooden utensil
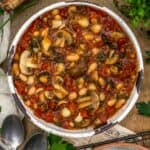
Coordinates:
[10,4]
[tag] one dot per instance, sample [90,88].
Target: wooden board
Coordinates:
[133,121]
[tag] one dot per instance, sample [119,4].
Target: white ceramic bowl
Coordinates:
[120,115]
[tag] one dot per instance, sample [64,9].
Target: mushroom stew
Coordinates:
[75,67]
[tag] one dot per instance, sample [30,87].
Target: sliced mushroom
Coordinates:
[49,94]
[112,60]
[60,91]
[63,37]
[26,63]
[56,23]
[79,69]
[96,100]
[92,101]
[85,123]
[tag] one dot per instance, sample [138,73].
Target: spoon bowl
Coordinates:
[37,142]
[13,130]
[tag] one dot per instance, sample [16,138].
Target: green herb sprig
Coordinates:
[144,108]
[17,11]
[57,143]
[137,10]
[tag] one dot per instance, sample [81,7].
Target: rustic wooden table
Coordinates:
[133,121]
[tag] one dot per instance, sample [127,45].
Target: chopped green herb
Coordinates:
[101,56]
[144,108]
[0,108]
[56,142]
[137,10]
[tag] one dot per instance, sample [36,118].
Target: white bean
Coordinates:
[32,90]
[111,102]
[92,67]
[120,103]
[83,22]
[72,95]
[96,28]
[65,112]
[72,57]
[83,91]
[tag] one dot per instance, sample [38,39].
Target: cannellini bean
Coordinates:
[114,69]
[117,35]
[120,103]
[92,87]
[94,20]
[46,43]
[73,57]
[28,103]
[58,17]
[96,28]
[81,81]
[71,124]
[42,97]
[55,12]
[94,75]
[60,42]
[72,9]
[111,102]
[15,69]
[79,118]
[36,33]
[85,104]
[65,112]
[72,95]
[23,77]
[119,86]
[80,86]
[60,89]
[44,32]
[60,68]
[32,90]
[101,81]
[83,22]
[83,99]
[35,106]
[43,79]
[30,80]
[97,122]
[95,51]
[56,23]
[102,96]
[92,67]
[83,91]
[88,36]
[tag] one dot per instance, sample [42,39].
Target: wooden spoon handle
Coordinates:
[9,5]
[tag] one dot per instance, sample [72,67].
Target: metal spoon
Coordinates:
[13,131]
[37,142]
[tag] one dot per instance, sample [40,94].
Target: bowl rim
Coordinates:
[49,127]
